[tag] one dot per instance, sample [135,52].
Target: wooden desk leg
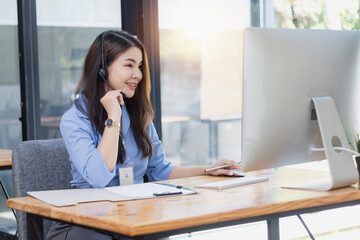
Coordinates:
[35,230]
[273,229]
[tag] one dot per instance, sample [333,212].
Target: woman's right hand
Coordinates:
[111,102]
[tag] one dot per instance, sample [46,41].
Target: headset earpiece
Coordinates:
[102,70]
[102,74]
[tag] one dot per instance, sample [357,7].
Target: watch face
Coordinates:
[109,122]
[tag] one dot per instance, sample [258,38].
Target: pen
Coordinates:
[216,168]
[219,167]
[166,194]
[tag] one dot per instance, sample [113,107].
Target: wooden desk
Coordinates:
[154,218]
[5,159]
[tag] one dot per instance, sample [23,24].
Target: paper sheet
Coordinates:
[146,190]
[69,197]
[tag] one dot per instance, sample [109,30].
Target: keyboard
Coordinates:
[233,182]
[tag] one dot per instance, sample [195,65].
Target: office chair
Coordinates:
[39,165]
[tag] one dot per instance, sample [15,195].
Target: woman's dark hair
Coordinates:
[92,87]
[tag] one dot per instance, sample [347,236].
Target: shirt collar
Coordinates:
[81,102]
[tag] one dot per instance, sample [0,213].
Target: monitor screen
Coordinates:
[283,70]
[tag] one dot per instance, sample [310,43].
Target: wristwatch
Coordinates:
[110,123]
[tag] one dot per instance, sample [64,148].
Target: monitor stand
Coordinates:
[342,169]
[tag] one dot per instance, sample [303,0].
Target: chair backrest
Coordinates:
[39,165]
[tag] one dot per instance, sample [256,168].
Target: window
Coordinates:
[10,112]
[201,78]
[201,66]
[64,36]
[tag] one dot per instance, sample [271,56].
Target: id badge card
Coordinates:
[126,174]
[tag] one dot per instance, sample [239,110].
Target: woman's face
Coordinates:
[125,71]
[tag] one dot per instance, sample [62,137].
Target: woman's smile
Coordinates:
[132,85]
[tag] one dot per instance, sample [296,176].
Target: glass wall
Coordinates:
[10,112]
[64,36]
[201,78]
[201,83]
[201,66]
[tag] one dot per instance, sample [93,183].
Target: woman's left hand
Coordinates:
[224,171]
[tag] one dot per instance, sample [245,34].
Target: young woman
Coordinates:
[110,126]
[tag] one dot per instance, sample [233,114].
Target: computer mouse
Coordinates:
[237,173]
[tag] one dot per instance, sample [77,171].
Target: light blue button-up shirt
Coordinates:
[88,166]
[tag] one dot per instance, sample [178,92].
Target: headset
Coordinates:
[102,70]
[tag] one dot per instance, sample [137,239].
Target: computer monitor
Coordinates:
[295,83]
